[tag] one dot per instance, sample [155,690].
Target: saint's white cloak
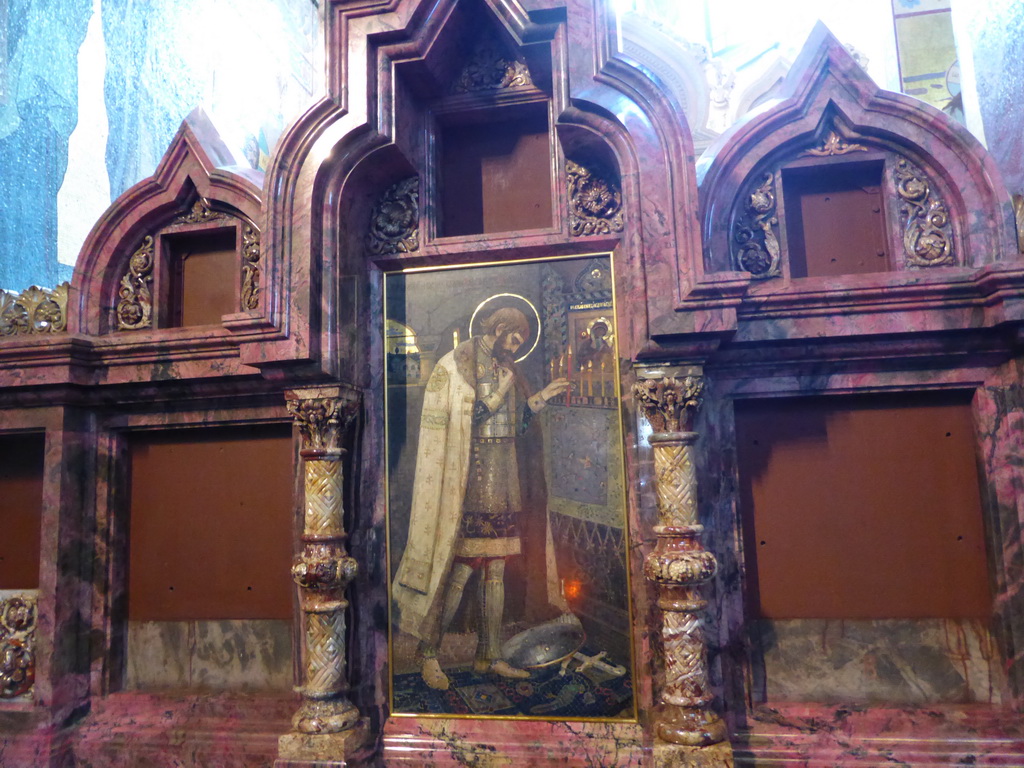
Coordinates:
[442,467]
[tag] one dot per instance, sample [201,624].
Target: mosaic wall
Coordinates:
[92,91]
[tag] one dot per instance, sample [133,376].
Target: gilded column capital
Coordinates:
[322,414]
[670,404]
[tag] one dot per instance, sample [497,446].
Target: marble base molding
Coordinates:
[329,750]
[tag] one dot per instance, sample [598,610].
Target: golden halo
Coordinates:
[510,300]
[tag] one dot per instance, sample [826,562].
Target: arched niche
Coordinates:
[393,90]
[178,257]
[932,195]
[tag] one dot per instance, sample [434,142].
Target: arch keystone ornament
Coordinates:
[327,728]
[688,732]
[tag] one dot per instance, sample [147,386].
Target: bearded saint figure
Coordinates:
[467,499]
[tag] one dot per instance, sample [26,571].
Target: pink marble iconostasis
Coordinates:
[314,316]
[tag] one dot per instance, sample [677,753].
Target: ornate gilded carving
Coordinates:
[321,419]
[755,244]
[679,565]
[135,307]
[17,644]
[200,213]
[34,310]
[324,569]
[491,67]
[595,200]
[250,267]
[927,231]
[835,144]
[395,220]
[670,404]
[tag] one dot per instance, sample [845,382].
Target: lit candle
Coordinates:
[568,375]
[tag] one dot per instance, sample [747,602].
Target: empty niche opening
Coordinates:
[495,172]
[204,276]
[866,567]
[835,220]
[21,508]
[210,548]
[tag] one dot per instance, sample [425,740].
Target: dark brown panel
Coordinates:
[835,220]
[207,273]
[862,508]
[21,508]
[211,524]
[496,176]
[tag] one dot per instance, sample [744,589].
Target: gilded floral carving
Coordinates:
[835,144]
[135,304]
[670,404]
[200,213]
[491,67]
[322,419]
[395,219]
[17,644]
[680,567]
[595,200]
[755,243]
[927,230]
[250,267]
[34,310]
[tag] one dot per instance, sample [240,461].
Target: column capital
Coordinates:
[322,414]
[670,404]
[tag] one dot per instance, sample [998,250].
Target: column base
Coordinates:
[668,755]
[689,727]
[324,750]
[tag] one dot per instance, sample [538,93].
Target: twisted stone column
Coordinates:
[684,725]
[327,726]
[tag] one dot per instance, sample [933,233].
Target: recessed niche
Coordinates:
[835,219]
[21,508]
[862,508]
[211,524]
[204,276]
[496,173]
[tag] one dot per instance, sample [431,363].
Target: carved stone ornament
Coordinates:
[491,67]
[200,213]
[755,244]
[927,231]
[322,419]
[135,305]
[395,220]
[670,404]
[250,267]
[34,310]
[595,201]
[17,644]
[834,144]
